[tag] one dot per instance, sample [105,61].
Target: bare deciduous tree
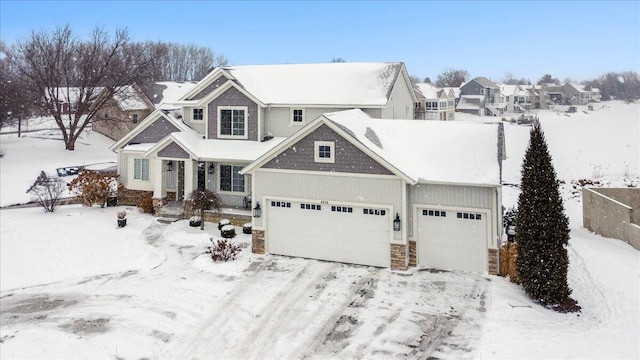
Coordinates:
[47,191]
[184,62]
[452,78]
[57,67]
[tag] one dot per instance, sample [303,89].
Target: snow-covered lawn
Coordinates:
[73,285]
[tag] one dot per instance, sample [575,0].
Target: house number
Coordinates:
[324,202]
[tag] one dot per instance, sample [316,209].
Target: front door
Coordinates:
[202,175]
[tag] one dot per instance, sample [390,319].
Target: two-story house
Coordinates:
[481,96]
[434,103]
[235,114]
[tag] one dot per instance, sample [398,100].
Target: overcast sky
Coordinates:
[575,39]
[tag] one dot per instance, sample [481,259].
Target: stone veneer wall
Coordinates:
[413,260]
[257,242]
[494,267]
[131,197]
[398,257]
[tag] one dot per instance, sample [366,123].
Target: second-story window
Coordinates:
[232,122]
[198,114]
[297,116]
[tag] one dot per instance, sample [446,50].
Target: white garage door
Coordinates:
[343,233]
[452,239]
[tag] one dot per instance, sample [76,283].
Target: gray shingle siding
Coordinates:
[173,150]
[154,132]
[348,158]
[233,97]
[214,85]
[472,88]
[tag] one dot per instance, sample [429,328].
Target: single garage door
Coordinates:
[343,233]
[452,239]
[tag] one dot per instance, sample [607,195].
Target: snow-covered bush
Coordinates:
[145,203]
[94,188]
[47,191]
[223,250]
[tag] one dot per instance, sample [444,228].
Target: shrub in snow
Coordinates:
[223,250]
[246,228]
[228,231]
[145,203]
[195,221]
[47,191]
[94,188]
[508,260]
[201,200]
[542,227]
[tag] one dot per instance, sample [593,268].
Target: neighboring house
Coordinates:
[434,103]
[569,94]
[382,192]
[122,113]
[518,98]
[67,97]
[481,96]
[237,113]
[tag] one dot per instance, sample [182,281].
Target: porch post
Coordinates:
[159,192]
[188,177]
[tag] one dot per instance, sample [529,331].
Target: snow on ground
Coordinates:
[72,285]
[33,152]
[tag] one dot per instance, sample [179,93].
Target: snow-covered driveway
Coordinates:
[177,304]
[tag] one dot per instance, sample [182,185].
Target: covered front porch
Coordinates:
[176,178]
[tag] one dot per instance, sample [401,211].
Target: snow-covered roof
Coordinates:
[172,92]
[429,91]
[470,102]
[508,90]
[216,149]
[343,84]
[428,151]
[129,98]
[486,82]
[138,147]
[456,90]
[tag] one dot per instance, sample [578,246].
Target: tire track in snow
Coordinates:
[227,326]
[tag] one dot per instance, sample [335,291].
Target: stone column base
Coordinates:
[257,242]
[399,257]
[493,262]
[413,260]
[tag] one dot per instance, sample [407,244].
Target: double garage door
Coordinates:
[335,232]
[452,239]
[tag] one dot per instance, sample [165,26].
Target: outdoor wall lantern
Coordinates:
[257,211]
[396,223]
[211,168]
[170,166]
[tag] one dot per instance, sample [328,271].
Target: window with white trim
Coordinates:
[230,179]
[198,114]
[232,122]
[297,116]
[324,151]
[141,169]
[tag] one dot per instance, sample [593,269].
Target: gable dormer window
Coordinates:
[198,114]
[232,122]
[324,152]
[297,116]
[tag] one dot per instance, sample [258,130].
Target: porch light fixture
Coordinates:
[396,223]
[211,168]
[257,212]
[170,166]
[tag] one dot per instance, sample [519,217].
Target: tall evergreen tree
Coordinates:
[542,227]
